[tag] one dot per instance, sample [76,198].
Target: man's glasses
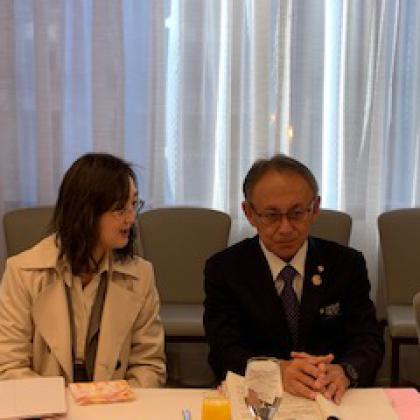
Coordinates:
[293,216]
[125,211]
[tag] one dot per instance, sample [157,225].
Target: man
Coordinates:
[288,295]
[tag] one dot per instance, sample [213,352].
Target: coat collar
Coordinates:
[54,323]
[44,255]
[115,325]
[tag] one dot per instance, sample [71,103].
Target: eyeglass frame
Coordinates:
[124,211]
[277,215]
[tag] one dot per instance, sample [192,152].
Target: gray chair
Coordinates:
[333,225]
[399,232]
[25,227]
[416,308]
[178,241]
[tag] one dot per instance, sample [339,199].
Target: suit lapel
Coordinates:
[259,278]
[121,308]
[312,292]
[51,316]
[257,275]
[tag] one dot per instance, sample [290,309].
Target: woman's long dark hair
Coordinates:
[94,184]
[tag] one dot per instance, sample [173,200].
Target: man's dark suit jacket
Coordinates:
[244,317]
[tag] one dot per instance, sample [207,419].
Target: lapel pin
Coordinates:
[320,268]
[316,280]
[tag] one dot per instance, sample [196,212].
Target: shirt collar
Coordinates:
[276,264]
[64,266]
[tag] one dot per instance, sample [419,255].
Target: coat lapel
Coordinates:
[121,308]
[53,324]
[312,292]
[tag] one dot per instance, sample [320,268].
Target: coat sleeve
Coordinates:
[146,363]
[16,327]
[223,324]
[364,338]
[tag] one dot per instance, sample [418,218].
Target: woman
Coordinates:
[79,303]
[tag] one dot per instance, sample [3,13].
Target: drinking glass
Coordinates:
[263,387]
[215,407]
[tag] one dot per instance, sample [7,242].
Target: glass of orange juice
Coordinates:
[215,406]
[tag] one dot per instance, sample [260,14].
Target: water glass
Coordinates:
[263,387]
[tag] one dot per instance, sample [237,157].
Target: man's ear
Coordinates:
[249,214]
[316,207]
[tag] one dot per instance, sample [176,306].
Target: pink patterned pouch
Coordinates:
[85,393]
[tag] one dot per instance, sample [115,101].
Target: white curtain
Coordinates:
[193,91]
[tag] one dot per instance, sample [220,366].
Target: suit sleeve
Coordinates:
[222,323]
[146,364]
[364,336]
[16,327]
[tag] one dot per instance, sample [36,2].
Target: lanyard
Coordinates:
[92,336]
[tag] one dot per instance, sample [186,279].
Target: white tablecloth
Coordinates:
[167,404]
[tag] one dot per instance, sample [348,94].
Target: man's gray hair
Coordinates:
[279,163]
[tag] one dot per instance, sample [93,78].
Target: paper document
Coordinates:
[357,404]
[371,404]
[32,397]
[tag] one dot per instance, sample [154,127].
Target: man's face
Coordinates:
[282,208]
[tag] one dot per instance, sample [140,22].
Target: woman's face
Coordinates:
[114,225]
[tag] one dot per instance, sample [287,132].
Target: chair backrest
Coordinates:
[416,308]
[399,232]
[25,227]
[333,225]
[178,241]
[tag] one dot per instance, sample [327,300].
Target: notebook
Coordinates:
[32,397]
[356,404]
